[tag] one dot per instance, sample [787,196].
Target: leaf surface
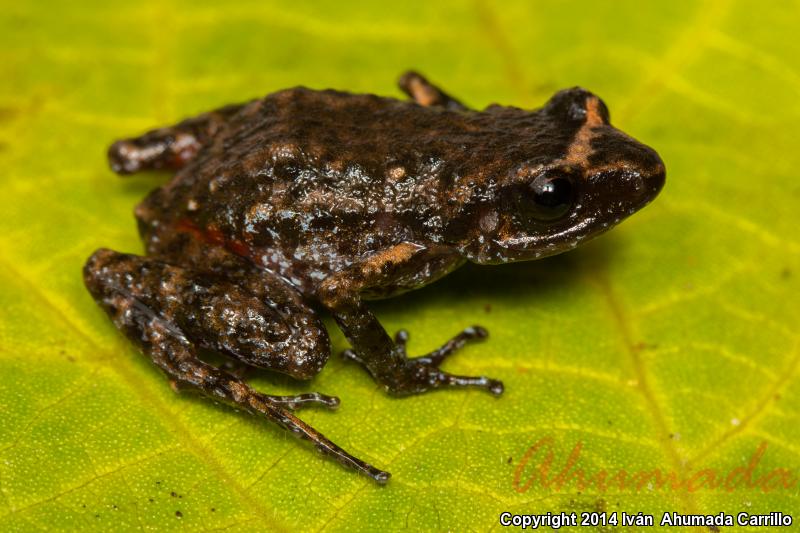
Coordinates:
[669,344]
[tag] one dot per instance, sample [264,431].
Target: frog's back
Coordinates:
[333,131]
[319,178]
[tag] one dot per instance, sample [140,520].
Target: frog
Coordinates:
[308,201]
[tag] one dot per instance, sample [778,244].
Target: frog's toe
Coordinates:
[469,334]
[418,376]
[305,400]
[437,356]
[492,385]
[401,339]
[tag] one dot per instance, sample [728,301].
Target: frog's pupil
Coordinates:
[552,197]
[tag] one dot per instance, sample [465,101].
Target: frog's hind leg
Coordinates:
[170,312]
[416,86]
[168,148]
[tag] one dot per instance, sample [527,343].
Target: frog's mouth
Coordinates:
[528,247]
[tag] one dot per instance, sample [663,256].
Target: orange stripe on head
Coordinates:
[594,117]
[580,149]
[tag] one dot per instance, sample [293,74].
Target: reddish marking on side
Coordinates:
[214,236]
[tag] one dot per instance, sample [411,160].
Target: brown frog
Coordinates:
[325,198]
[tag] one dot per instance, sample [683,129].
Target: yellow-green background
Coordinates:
[670,343]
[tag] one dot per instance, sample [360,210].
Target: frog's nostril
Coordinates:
[649,184]
[656,179]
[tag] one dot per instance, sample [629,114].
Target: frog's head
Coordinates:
[599,177]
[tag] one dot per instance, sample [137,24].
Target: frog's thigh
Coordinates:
[425,93]
[170,147]
[272,330]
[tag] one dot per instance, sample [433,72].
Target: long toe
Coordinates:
[494,386]
[470,334]
[305,400]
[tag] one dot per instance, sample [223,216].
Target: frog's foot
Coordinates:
[414,375]
[188,373]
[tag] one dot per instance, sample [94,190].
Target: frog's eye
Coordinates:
[550,197]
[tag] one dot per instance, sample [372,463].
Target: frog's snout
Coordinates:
[637,178]
[653,175]
[655,181]
[619,192]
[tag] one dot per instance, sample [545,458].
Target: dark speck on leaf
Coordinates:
[510,460]
[786,273]
[179,514]
[213,510]
[173,494]
[600,504]
[7,113]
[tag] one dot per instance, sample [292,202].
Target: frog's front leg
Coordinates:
[416,86]
[401,267]
[170,147]
[171,311]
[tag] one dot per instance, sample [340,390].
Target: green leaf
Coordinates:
[669,344]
